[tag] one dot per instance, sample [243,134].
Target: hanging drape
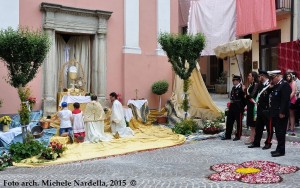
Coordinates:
[255,16]
[79,48]
[215,19]
[289,56]
[184,6]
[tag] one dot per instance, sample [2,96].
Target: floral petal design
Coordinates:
[252,172]
[263,165]
[225,176]
[261,177]
[287,169]
[225,167]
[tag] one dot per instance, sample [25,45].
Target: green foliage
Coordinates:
[182,51]
[23,52]
[223,78]
[185,102]
[5,161]
[221,118]
[187,126]
[20,151]
[24,93]
[160,87]
[24,114]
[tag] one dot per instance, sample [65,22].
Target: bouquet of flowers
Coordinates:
[211,127]
[53,151]
[5,120]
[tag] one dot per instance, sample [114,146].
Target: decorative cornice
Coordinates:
[49,7]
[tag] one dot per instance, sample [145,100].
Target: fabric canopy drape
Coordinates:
[78,48]
[255,16]
[202,105]
[215,19]
[289,56]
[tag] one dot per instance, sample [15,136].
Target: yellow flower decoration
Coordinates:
[247,170]
[6,120]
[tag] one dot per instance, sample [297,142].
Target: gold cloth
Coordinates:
[202,105]
[145,138]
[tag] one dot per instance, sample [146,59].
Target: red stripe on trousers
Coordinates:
[240,131]
[270,126]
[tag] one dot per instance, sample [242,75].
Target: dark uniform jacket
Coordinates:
[237,98]
[263,100]
[280,99]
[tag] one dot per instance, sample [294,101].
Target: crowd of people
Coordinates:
[89,124]
[272,102]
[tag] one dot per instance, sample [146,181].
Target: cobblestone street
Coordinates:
[187,165]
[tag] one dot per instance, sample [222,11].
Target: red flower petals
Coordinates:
[270,172]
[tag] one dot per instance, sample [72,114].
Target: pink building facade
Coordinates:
[124,53]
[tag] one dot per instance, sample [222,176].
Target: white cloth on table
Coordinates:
[72,99]
[9,136]
[78,123]
[128,114]
[94,132]
[117,121]
[137,103]
[65,116]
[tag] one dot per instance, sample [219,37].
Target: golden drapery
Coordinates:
[201,103]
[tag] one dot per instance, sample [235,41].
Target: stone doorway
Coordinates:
[63,19]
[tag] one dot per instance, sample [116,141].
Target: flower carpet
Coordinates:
[252,172]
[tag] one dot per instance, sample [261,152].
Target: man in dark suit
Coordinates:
[236,109]
[262,112]
[279,109]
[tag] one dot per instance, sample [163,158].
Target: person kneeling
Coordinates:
[94,122]
[65,116]
[117,119]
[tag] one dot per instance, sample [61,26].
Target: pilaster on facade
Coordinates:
[163,21]
[131,27]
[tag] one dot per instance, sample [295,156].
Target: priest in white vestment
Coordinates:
[117,119]
[94,122]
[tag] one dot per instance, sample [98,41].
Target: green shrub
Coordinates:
[160,87]
[185,127]
[5,161]
[20,151]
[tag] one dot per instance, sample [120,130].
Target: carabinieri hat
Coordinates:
[262,72]
[236,77]
[274,73]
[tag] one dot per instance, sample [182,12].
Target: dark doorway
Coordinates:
[268,50]
[216,68]
[247,62]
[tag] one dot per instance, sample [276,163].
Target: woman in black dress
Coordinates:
[251,96]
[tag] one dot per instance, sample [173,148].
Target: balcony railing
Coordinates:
[283,5]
